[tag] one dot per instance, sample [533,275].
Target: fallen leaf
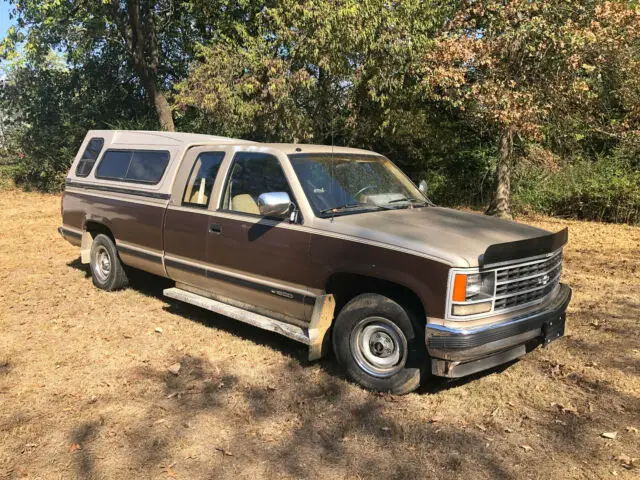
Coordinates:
[74,447]
[565,409]
[224,452]
[609,435]
[626,461]
[526,448]
[175,368]
[168,469]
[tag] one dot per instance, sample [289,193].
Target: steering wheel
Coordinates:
[362,190]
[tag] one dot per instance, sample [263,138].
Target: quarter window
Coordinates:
[89,156]
[253,174]
[138,166]
[201,179]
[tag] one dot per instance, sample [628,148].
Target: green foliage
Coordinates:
[607,189]
[433,85]
[49,109]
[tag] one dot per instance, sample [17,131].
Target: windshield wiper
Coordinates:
[407,199]
[349,206]
[346,206]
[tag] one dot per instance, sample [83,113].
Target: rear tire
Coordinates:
[107,271]
[380,344]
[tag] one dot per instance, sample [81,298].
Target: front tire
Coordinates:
[380,344]
[107,271]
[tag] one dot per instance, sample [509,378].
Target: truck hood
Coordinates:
[455,237]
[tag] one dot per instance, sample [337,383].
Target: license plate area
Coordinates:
[553,329]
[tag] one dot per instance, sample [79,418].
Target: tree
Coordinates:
[517,65]
[50,107]
[310,71]
[155,39]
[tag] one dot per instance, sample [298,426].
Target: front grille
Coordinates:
[527,283]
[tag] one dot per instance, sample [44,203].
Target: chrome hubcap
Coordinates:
[379,346]
[102,264]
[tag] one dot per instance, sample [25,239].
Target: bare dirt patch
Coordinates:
[85,390]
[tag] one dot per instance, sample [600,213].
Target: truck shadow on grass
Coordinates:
[207,422]
[214,422]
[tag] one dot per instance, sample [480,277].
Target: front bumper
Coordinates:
[459,352]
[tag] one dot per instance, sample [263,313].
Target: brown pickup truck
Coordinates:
[329,246]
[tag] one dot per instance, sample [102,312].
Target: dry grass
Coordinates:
[85,392]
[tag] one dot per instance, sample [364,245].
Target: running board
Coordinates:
[314,336]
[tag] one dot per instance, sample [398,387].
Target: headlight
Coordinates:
[472,293]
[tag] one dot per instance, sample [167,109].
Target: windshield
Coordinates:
[347,183]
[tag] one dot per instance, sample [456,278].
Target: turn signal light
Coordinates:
[459,288]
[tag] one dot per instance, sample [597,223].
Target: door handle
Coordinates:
[215,228]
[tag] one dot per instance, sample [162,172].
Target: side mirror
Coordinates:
[423,187]
[274,204]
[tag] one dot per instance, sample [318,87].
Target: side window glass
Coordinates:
[114,165]
[201,179]
[89,156]
[147,167]
[137,166]
[253,174]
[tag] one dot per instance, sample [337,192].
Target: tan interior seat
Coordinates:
[244,203]
[195,198]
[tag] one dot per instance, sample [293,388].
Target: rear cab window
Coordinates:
[136,166]
[200,182]
[89,157]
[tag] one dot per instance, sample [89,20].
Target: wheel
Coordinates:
[380,344]
[107,270]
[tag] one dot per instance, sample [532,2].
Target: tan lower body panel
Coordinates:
[314,336]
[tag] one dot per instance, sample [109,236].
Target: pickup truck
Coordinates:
[332,247]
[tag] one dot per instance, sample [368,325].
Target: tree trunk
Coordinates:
[139,33]
[501,204]
[162,107]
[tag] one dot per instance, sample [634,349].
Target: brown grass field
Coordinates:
[85,391]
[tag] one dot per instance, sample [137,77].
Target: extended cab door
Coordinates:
[187,217]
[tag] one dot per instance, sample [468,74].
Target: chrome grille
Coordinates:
[527,283]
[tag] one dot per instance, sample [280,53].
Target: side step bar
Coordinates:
[314,336]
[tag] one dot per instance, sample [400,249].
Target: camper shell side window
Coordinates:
[89,157]
[136,166]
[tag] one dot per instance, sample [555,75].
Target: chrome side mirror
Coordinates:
[274,204]
[423,187]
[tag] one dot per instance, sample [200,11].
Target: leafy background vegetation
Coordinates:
[514,106]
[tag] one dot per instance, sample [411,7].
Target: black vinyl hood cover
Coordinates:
[520,249]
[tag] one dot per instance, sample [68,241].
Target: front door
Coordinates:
[263,261]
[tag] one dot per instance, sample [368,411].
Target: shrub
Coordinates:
[607,189]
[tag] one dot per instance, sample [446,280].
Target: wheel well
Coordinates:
[95,228]
[345,286]
[92,230]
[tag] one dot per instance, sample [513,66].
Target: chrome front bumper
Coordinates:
[459,352]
